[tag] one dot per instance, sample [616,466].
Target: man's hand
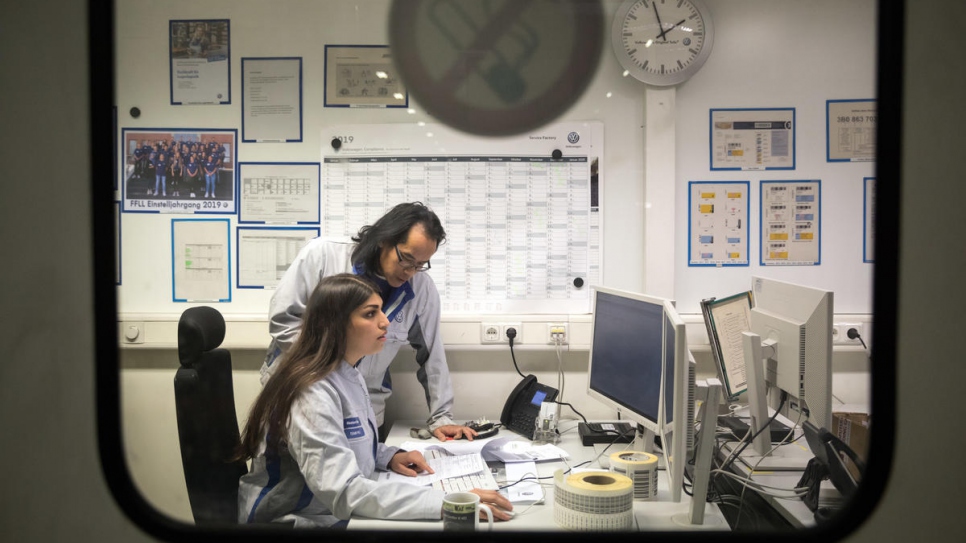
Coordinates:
[453,431]
[409,463]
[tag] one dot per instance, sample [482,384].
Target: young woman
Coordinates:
[312,431]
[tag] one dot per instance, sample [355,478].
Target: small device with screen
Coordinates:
[523,405]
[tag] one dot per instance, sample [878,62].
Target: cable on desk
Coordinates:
[571,408]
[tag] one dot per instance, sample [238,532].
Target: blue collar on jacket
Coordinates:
[393,298]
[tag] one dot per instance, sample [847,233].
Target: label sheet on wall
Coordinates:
[521,233]
[791,233]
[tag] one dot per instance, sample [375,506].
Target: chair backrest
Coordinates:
[207,425]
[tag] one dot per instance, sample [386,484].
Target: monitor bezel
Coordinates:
[628,412]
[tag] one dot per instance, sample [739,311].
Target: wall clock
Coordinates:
[662,42]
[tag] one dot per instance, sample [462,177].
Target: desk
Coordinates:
[793,511]
[659,515]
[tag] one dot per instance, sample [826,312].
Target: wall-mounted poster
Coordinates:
[199,54]
[850,130]
[265,254]
[200,260]
[753,139]
[868,220]
[362,76]
[178,170]
[279,193]
[718,223]
[271,99]
[791,223]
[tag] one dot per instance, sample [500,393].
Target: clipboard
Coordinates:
[725,320]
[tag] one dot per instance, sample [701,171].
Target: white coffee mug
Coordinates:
[461,512]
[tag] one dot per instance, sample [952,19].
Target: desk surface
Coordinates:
[659,515]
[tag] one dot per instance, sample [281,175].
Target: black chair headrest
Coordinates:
[200,329]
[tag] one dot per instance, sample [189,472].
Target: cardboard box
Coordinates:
[853,429]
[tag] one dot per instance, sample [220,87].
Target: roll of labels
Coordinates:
[603,501]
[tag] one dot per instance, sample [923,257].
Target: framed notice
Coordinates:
[753,139]
[271,99]
[178,170]
[264,254]
[718,223]
[200,260]
[868,220]
[199,56]
[117,243]
[362,76]
[850,127]
[791,233]
[279,193]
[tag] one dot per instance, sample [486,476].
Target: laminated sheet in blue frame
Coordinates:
[791,223]
[265,253]
[279,192]
[718,227]
[272,100]
[200,260]
[752,139]
[199,61]
[147,151]
[868,219]
[850,127]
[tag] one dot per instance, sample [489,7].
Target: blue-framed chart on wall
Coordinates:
[868,219]
[791,223]
[271,100]
[279,192]
[265,253]
[178,170]
[718,223]
[850,127]
[200,260]
[199,53]
[752,139]
[362,76]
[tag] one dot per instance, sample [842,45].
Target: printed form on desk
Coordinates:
[445,466]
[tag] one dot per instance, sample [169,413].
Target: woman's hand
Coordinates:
[454,431]
[497,502]
[409,463]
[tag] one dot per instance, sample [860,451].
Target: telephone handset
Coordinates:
[523,405]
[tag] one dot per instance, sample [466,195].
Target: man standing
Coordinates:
[391,252]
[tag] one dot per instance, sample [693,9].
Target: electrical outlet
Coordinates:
[495,332]
[491,333]
[517,339]
[840,333]
[555,332]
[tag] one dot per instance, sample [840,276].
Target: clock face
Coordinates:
[662,42]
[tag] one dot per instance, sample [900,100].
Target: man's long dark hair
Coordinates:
[392,229]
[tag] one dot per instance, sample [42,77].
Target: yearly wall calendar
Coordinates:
[523,233]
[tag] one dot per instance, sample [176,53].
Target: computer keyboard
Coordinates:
[477,475]
[483,479]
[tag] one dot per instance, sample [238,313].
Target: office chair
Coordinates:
[207,425]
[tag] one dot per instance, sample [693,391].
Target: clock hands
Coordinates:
[658,15]
[663,33]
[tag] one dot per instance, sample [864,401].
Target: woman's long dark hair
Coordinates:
[393,229]
[319,348]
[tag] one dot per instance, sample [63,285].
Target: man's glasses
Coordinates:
[408,263]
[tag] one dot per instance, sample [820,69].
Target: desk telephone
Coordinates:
[523,405]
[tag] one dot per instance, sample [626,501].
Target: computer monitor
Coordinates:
[677,415]
[790,346]
[627,356]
